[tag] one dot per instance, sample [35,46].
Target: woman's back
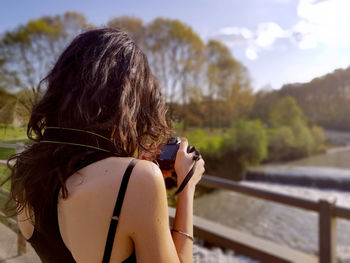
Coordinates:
[84,217]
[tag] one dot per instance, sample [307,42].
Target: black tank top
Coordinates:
[48,242]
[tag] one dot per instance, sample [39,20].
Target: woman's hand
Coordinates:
[183,164]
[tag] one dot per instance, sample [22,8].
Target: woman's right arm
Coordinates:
[149,223]
[183,220]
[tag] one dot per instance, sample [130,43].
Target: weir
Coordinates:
[308,176]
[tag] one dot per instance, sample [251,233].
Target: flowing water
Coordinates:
[294,227]
[290,226]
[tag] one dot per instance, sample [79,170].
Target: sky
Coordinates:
[279,41]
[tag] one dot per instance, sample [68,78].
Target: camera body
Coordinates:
[166,160]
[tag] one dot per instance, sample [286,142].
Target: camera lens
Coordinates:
[174,140]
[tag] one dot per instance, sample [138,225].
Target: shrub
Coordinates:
[319,138]
[304,142]
[281,141]
[242,145]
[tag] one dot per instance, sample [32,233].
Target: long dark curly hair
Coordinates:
[101,83]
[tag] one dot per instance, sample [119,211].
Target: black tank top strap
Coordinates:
[116,211]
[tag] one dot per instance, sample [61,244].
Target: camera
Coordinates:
[166,160]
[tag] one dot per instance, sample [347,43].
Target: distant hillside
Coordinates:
[325,100]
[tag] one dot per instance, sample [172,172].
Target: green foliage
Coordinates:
[319,138]
[265,100]
[5,97]
[229,92]
[286,112]
[304,142]
[324,100]
[134,26]
[8,132]
[4,173]
[175,54]
[228,153]
[198,138]
[281,141]
[295,141]
[291,138]
[209,146]
[290,142]
[7,107]
[24,33]
[28,52]
[247,138]
[5,153]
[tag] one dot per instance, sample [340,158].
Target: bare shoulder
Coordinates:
[147,176]
[144,173]
[146,183]
[146,193]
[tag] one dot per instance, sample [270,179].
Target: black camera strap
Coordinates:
[188,176]
[77,137]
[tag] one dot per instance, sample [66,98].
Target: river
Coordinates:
[282,224]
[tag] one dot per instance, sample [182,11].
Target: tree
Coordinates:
[265,100]
[291,138]
[286,112]
[243,144]
[325,100]
[304,142]
[28,52]
[281,143]
[176,58]
[132,25]
[7,105]
[228,85]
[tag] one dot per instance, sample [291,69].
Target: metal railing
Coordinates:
[21,242]
[327,214]
[327,211]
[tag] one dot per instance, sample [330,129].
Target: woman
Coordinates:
[101,107]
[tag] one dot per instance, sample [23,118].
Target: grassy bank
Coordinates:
[12,133]
[4,173]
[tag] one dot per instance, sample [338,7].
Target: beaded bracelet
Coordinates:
[185,234]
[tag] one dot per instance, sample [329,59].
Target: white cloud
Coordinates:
[235,35]
[251,53]
[242,31]
[262,38]
[303,35]
[267,34]
[326,21]
[320,22]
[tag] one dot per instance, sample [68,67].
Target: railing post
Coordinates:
[21,242]
[327,232]
[19,147]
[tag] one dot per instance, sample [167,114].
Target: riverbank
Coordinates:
[337,138]
[327,170]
